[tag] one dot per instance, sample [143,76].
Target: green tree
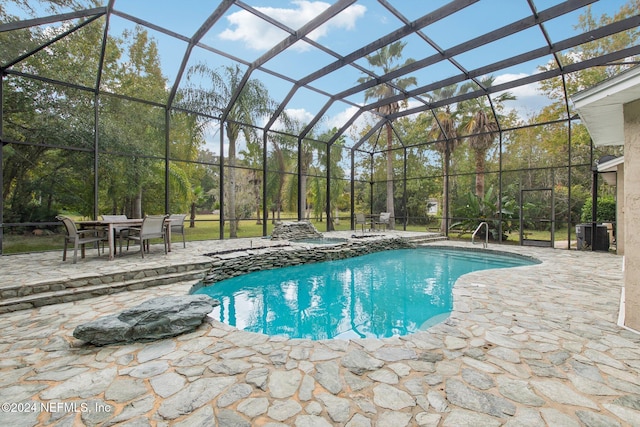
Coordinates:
[500,216]
[39,180]
[329,157]
[479,122]
[388,59]
[306,159]
[548,145]
[252,104]
[445,131]
[133,133]
[308,150]
[186,145]
[423,182]
[606,210]
[591,76]
[281,164]
[208,168]
[130,134]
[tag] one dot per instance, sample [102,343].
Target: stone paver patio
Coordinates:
[527,346]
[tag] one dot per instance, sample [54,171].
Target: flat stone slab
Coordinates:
[154,319]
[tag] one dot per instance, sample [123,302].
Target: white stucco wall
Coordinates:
[632,213]
[620,210]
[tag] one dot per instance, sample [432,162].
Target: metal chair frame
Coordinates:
[121,232]
[384,219]
[361,220]
[79,238]
[177,226]
[153,226]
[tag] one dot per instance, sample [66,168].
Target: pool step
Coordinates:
[58,291]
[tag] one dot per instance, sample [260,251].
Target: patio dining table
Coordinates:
[111,225]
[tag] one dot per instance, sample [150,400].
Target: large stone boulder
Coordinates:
[154,319]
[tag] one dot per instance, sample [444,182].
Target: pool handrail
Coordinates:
[486,236]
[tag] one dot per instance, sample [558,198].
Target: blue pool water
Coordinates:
[377,295]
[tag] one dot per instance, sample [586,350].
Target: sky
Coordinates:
[247,37]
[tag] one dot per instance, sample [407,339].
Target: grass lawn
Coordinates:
[514,237]
[207,227]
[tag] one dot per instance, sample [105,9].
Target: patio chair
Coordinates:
[177,226]
[79,238]
[384,219]
[153,227]
[120,231]
[361,220]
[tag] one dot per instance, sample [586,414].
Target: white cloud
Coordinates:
[354,132]
[338,120]
[528,100]
[258,34]
[300,115]
[526,90]
[341,118]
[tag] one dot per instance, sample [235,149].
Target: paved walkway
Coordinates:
[527,346]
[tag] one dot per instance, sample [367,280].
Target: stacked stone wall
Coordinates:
[225,266]
[295,231]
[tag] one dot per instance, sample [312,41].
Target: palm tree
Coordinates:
[198,196]
[252,104]
[253,158]
[445,131]
[484,133]
[282,159]
[306,156]
[387,59]
[294,126]
[482,129]
[331,157]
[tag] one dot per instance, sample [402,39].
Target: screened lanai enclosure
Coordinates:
[445,114]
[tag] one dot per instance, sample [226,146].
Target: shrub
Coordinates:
[478,209]
[606,209]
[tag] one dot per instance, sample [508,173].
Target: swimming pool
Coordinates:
[377,295]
